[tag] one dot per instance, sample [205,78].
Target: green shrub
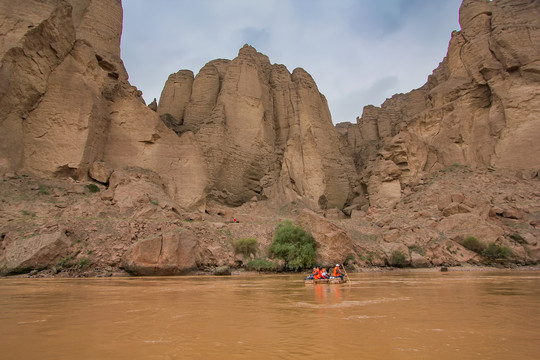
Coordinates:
[93,188]
[473,244]
[246,246]
[293,245]
[398,258]
[260,265]
[494,251]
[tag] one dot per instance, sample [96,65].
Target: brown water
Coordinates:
[455,315]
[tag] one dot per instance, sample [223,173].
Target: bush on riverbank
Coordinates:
[293,245]
[494,252]
[260,265]
[398,259]
[491,251]
[246,247]
[473,244]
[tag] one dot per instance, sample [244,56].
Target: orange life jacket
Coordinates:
[318,275]
[337,272]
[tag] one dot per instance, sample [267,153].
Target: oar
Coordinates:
[348,278]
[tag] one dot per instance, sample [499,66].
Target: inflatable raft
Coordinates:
[325,281]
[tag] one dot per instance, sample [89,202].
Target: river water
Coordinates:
[394,315]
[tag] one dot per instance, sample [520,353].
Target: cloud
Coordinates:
[359,52]
[255,36]
[354,101]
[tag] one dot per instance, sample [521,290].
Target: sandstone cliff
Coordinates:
[246,129]
[96,182]
[479,107]
[58,75]
[66,102]
[265,133]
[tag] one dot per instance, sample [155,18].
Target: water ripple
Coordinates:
[346,304]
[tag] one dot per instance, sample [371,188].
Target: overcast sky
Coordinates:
[359,52]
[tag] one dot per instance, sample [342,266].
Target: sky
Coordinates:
[359,52]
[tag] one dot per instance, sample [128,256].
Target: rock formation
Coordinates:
[168,254]
[264,132]
[96,182]
[241,129]
[333,243]
[66,101]
[36,253]
[479,107]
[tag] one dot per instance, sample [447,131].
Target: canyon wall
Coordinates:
[265,133]
[66,101]
[240,130]
[479,108]
[247,130]
[90,174]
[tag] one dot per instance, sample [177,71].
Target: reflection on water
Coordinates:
[453,315]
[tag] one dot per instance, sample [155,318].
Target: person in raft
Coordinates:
[337,272]
[325,274]
[314,275]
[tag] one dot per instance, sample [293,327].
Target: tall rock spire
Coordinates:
[265,133]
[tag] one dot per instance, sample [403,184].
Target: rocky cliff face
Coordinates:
[91,175]
[479,107]
[66,102]
[58,75]
[245,129]
[265,133]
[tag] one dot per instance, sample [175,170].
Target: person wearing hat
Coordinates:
[337,272]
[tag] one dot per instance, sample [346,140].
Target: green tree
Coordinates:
[294,245]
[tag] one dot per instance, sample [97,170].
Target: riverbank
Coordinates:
[68,228]
[119,273]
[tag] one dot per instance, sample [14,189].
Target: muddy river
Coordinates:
[395,315]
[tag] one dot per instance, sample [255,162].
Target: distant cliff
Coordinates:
[479,108]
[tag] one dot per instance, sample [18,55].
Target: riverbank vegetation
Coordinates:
[490,251]
[293,245]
